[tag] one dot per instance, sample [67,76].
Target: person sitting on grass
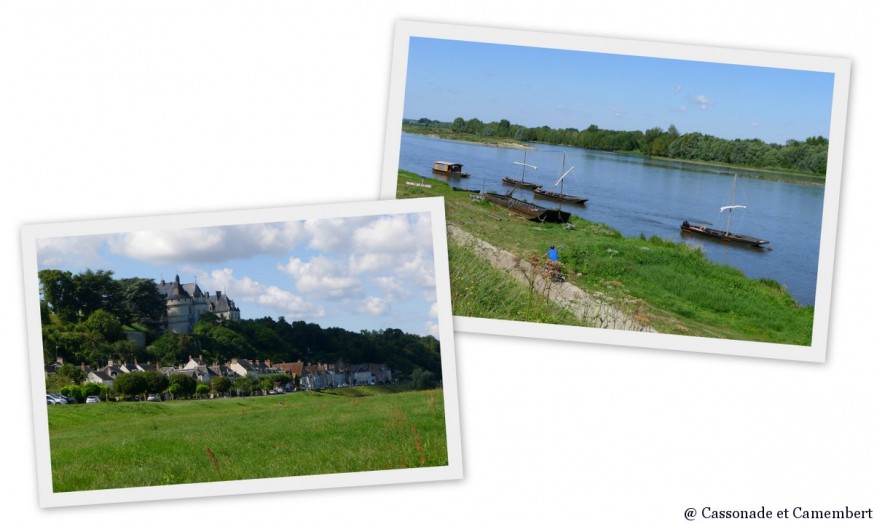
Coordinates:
[552,254]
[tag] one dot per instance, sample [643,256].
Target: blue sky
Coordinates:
[372,272]
[537,86]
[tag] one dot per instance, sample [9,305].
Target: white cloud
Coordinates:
[702,101]
[371,263]
[390,234]
[248,290]
[392,288]
[373,306]
[212,244]
[321,276]
[79,252]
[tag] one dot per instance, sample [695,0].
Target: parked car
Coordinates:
[153,398]
[93,399]
[53,398]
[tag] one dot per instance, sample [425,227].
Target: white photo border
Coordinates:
[840,67]
[30,234]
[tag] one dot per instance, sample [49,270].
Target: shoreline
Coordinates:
[790,177]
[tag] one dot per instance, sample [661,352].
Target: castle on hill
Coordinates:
[186,303]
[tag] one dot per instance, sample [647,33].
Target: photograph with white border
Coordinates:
[625,192]
[243,351]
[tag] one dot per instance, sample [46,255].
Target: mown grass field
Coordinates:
[668,285]
[133,444]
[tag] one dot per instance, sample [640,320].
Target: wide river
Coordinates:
[637,195]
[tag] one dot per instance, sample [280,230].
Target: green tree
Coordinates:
[104,324]
[97,290]
[143,303]
[59,292]
[187,385]
[91,389]
[172,348]
[73,391]
[423,379]
[74,373]
[131,384]
[221,385]
[202,390]
[155,382]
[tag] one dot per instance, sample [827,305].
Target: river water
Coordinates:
[637,195]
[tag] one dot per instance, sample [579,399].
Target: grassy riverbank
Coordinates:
[447,134]
[479,290]
[127,444]
[668,285]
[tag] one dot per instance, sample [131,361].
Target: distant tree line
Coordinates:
[84,317]
[808,156]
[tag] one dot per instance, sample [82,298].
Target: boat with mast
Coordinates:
[560,195]
[726,235]
[521,182]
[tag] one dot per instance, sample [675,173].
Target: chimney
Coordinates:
[82,366]
[267,362]
[218,294]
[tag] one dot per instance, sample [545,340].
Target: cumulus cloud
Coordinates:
[392,287]
[373,306]
[391,234]
[271,297]
[77,252]
[212,244]
[321,276]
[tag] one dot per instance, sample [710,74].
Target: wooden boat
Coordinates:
[727,235]
[448,169]
[455,188]
[521,182]
[560,195]
[527,210]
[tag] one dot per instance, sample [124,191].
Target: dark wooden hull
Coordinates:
[465,189]
[528,210]
[559,197]
[454,174]
[724,236]
[520,183]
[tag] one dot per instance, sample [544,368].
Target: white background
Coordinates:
[114,108]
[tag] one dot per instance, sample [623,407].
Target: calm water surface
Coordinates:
[637,195]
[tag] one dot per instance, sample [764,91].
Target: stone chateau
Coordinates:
[186,303]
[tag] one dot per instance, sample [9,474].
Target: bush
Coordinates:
[74,392]
[90,389]
[202,390]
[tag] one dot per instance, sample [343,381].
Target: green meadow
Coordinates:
[133,444]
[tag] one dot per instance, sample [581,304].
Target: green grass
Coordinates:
[132,444]
[479,290]
[668,285]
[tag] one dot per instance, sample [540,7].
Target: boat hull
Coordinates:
[520,183]
[559,197]
[528,210]
[732,238]
[449,174]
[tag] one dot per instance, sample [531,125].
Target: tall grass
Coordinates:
[479,290]
[113,445]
